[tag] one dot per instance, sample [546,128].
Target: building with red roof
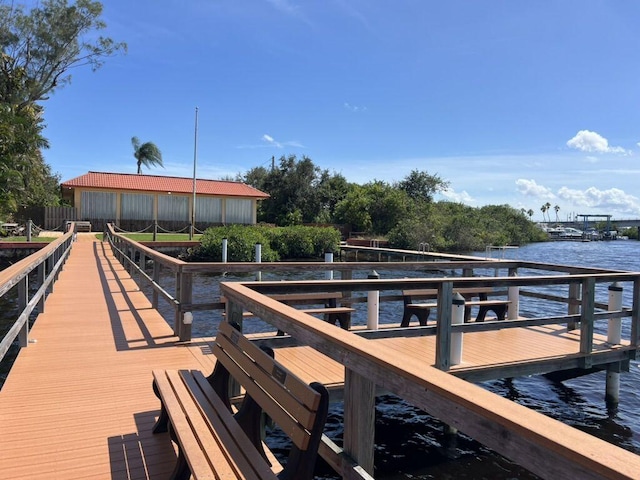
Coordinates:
[134,201]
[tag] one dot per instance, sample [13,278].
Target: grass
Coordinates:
[24,239]
[162,237]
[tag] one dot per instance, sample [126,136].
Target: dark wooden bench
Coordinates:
[422,310]
[329,309]
[215,442]
[327,306]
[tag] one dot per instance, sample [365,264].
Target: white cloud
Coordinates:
[613,198]
[354,108]
[588,141]
[532,189]
[269,139]
[460,197]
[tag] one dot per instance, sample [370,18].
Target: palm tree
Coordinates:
[543,208]
[557,209]
[530,213]
[547,208]
[147,154]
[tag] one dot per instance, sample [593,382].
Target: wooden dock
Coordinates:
[78,402]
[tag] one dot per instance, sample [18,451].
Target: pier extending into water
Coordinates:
[78,402]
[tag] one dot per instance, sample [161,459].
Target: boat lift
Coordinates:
[585,222]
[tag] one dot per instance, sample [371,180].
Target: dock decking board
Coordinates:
[78,403]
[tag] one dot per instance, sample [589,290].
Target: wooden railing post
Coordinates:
[359,419]
[513,311]
[574,303]
[156,280]
[141,263]
[233,312]
[23,299]
[42,277]
[184,295]
[443,329]
[586,319]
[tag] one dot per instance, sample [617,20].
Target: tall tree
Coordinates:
[422,185]
[557,209]
[300,192]
[46,42]
[38,47]
[147,154]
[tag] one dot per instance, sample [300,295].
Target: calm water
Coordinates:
[411,444]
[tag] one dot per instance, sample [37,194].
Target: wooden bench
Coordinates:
[215,442]
[83,226]
[422,310]
[331,311]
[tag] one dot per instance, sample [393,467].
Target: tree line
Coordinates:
[403,212]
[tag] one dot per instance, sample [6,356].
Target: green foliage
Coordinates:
[403,211]
[375,207]
[38,48]
[299,191]
[147,154]
[277,242]
[304,242]
[450,226]
[25,179]
[241,241]
[49,40]
[422,186]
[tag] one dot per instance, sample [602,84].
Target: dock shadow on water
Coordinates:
[411,444]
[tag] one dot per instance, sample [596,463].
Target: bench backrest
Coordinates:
[299,409]
[433,292]
[308,298]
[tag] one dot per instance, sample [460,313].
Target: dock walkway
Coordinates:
[78,403]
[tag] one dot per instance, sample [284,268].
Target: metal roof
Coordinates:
[159,183]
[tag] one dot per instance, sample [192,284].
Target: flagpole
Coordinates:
[195,157]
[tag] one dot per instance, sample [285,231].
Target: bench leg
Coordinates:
[422,314]
[161,425]
[343,319]
[499,310]
[181,471]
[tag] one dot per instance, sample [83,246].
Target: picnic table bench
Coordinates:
[422,310]
[327,306]
[331,311]
[213,440]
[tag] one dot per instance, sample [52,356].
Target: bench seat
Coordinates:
[422,310]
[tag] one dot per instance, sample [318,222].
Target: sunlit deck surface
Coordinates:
[78,403]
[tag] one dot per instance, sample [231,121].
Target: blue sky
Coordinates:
[516,102]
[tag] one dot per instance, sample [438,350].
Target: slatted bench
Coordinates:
[331,311]
[422,310]
[215,442]
[83,226]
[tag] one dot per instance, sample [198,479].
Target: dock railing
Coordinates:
[46,263]
[543,445]
[463,270]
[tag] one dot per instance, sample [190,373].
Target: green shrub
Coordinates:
[241,242]
[295,242]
